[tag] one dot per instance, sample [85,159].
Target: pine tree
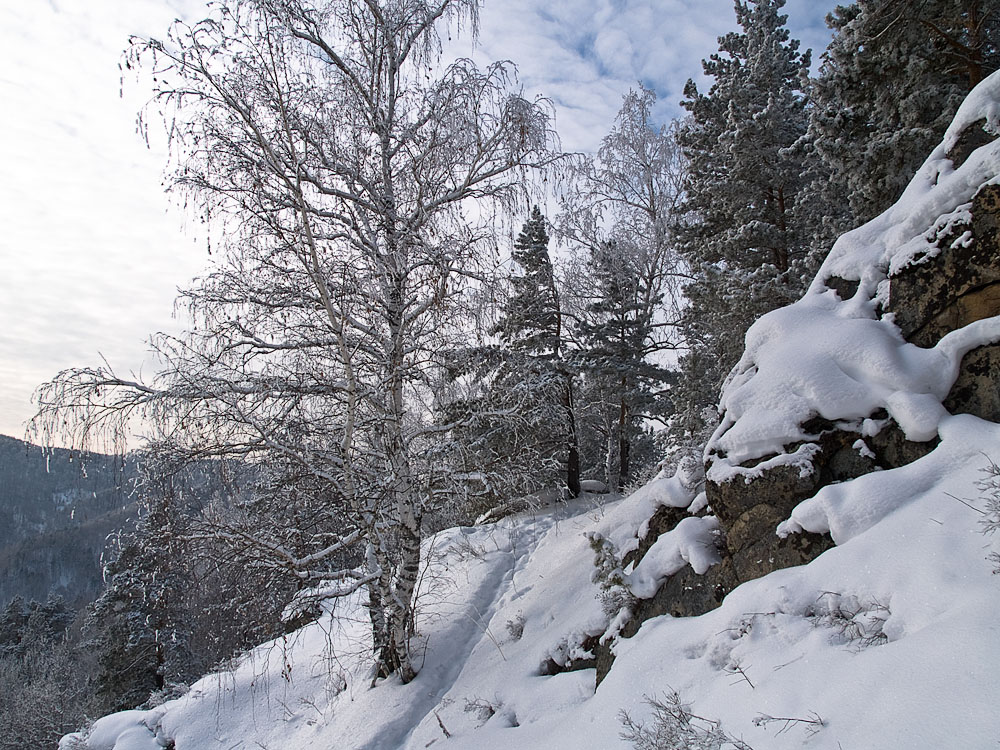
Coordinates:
[890,83]
[532,323]
[531,327]
[738,231]
[616,214]
[617,336]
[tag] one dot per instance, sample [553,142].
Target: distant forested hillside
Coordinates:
[57,507]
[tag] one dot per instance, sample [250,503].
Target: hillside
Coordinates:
[857,436]
[57,508]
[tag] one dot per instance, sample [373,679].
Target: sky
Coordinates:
[92,251]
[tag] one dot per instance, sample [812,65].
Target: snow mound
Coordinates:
[840,359]
[691,542]
[627,523]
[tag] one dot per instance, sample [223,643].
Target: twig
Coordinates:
[737,668]
[444,729]
[966,504]
[814,722]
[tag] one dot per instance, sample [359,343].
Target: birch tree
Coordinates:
[347,165]
[616,213]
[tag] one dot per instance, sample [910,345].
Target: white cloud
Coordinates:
[90,259]
[585,54]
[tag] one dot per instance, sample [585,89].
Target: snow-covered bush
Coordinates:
[859,623]
[674,727]
[481,708]
[515,627]
[614,593]
[989,488]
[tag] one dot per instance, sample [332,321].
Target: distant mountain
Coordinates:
[57,508]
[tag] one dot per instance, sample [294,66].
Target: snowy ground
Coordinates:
[890,639]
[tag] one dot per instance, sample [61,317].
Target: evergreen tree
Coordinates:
[531,327]
[532,323]
[506,439]
[738,231]
[890,83]
[617,211]
[44,686]
[12,623]
[617,337]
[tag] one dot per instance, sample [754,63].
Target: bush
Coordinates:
[674,727]
[989,488]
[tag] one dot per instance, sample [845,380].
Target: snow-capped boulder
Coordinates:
[905,307]
[959,285]
[905,314]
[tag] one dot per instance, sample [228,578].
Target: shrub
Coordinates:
[674,727]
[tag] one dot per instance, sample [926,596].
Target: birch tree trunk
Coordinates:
[341,162]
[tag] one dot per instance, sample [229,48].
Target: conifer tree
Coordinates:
[738,231]
[890,83]
[532,322]
[617,336]
[616,213]
[532,329]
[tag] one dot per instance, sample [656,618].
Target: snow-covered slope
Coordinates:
[889,640]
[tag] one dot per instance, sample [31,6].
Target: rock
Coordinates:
[749,513]
[959,286]
[685,594]
[603,659]
[772,553]
[893,450]
[782,488]
[938,294]
[971,138]
[977,389]
[591,643]
[844,288]
[664,519]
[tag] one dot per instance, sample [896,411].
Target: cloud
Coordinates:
[90,258]
[601,48]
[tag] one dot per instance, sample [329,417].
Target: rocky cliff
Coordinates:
[897,333]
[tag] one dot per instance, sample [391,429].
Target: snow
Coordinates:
[888,640]
[127,730]
[691,542]
[783,381]
[627,523]
[917,570]
[862,363]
